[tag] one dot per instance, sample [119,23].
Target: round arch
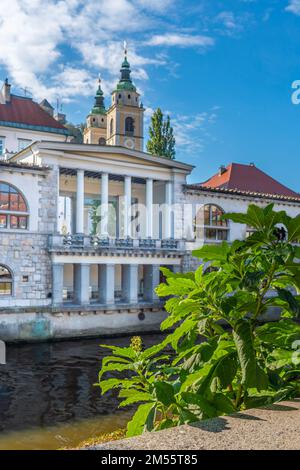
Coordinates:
[14,212]
[6,281]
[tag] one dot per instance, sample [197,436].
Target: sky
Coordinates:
[223,70]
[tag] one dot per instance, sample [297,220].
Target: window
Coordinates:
[102,141]
[23,143]
[5,281]
[2,145]
[209,224]
[129,96]
[111,127]
[129,126]
[13,208]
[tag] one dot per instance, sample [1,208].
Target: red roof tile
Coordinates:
[247,178]
[25,111]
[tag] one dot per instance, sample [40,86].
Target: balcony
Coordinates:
[95,244]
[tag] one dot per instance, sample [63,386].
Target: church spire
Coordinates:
[125,82]
[99,106]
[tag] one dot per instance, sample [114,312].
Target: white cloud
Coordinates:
[227,18]
[155,5]
[57,48]
[191,131]
[34,37]
[180,40]
[294,7]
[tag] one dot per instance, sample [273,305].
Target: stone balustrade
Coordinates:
[70,242]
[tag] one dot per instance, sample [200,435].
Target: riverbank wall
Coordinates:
[35,325]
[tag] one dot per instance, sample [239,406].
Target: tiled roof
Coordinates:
[246,179]
[236,192]
[24,112]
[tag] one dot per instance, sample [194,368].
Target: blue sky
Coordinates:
[222,69]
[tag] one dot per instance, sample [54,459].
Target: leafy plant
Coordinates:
[223,358]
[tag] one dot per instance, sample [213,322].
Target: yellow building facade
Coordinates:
[123,123]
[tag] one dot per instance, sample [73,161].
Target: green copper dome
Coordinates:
[125,82]
[99,106]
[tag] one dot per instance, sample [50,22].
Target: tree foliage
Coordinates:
[224,358]
[162,140]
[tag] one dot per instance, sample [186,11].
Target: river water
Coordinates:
[47,397]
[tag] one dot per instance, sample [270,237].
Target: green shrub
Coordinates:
[224,359]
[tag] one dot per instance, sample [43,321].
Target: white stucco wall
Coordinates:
[229,203]
[12,136]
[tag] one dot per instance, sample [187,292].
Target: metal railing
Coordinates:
[93,242]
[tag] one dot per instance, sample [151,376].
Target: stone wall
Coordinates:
[26,255]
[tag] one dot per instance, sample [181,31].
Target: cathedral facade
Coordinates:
[85,228]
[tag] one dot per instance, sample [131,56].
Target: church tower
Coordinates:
[125,117]
[96,122]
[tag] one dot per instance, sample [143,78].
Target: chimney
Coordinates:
[61,118]
[46,106]
[6,92]
[222,170]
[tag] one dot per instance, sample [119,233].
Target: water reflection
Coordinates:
[51,384]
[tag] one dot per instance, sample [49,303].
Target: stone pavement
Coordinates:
[272,427]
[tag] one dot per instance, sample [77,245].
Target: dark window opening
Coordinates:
[5,281]
[129,126]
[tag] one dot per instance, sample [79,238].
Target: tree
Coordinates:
[225,359]
[162,140]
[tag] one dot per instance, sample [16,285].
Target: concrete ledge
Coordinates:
[273,427]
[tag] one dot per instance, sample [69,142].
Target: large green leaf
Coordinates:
[186,327]
[134,397]
[293,228]
[139,421]
[212,252]
[217,405]
[123,352]
[280,334]
[176,286]
[115,366]
[164,393]
[108,384]
[252,375]
[279,358]
[291,300]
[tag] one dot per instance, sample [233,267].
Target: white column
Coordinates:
[151,281]
[149,208]
[130,283]
[104,204]
[80,202]
[82,283]
[106,283]
[127,207]
[168,212]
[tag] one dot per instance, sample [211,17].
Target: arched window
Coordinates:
[209,224]
[5,281]
[129,126]
[102,141]
[13,208]
[111,127]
